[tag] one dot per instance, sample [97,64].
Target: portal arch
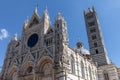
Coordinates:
[46,70]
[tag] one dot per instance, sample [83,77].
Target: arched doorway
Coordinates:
[27,71]
[13,73]
[47,72]
[46,69]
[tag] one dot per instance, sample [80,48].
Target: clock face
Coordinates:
[32,40]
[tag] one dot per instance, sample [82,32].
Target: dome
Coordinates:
[80,48]
[84,51]
[79,44]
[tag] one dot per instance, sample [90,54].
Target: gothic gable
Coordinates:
[28,57]
[45,52]
[35,20]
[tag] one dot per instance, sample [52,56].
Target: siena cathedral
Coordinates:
[43,52]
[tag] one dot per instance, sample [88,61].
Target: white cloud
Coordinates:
[3,34]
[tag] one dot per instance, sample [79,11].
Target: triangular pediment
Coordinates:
[28,57]
[35,20]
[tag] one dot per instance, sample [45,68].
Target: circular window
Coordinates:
[32,40]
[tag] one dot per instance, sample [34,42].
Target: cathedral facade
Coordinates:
[43,52]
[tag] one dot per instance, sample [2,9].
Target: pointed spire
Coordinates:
[46,11]
[36,8]
[59,16]
[15,37]
[46,14]
[26,22]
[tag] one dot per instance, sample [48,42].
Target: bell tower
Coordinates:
[95,39]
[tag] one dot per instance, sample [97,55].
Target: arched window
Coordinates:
[82,70]
[106,76]
[72,64]
[90,73]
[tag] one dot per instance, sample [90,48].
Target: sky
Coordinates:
[13,13]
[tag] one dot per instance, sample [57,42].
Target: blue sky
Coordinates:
[14,12]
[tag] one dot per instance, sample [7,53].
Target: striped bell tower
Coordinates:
[95,39]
